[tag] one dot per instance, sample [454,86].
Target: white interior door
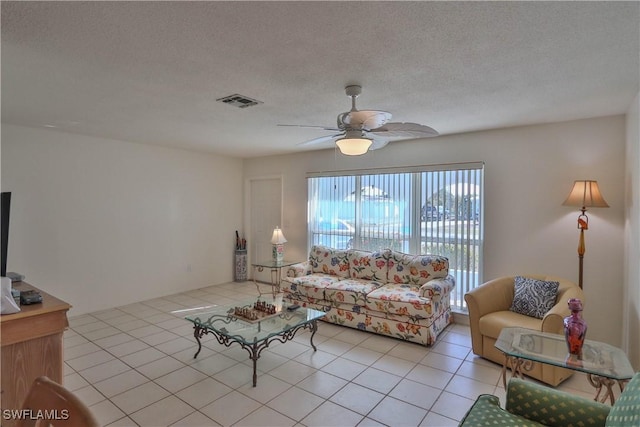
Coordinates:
[265,214]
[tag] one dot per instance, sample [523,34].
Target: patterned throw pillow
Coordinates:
[534,297]
[416,269]
[368,265]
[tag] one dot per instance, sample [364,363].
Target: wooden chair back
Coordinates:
[49,403]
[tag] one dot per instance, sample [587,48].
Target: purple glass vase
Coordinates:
[575,328]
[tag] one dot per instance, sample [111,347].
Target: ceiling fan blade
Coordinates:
[397,130]
[364,119]
[320,140]
[378,143]
[312,127]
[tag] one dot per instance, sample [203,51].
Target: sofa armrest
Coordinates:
[486,411]
[553,321]
[437,288]
[299,269]
[553,407]
[494,295]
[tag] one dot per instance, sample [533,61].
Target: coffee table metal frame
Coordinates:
[604,364]
[255,336]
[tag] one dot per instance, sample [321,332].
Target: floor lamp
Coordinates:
[584,194]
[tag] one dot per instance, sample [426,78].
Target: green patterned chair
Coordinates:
[531,404]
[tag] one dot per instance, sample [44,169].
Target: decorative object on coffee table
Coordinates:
[260,310]
[584,194]
[575,329]
[278,240]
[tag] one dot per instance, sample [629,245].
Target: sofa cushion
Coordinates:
[400,299]
[368,265]
[329,261]
[491,324]
[416,269]
[350,291]
[534,297]
[309,286]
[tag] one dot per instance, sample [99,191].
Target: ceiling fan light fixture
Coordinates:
[354,146]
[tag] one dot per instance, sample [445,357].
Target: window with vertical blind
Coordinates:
[436,209]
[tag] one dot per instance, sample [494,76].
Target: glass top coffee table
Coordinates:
[604,364]
[254,324]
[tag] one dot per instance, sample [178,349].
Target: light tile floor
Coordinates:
[134,366]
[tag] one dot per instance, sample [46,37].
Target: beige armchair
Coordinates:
[489,312]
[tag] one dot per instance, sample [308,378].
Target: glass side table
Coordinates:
[604,364]
[275,268]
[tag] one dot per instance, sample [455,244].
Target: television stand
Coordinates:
[31,340]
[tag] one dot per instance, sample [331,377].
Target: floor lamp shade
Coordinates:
[584,194]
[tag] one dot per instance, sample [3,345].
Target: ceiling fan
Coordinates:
[361,130]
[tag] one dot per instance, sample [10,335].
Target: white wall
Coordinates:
[529,172]
[101,223]
[631,313]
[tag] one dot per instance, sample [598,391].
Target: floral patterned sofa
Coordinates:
[388,292]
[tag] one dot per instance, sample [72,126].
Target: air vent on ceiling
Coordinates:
[239,101]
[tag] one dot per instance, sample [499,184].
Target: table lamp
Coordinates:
[584,194]
[278,241]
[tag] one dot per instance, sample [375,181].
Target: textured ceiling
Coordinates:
[151,72]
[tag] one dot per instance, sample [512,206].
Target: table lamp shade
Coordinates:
[277,237]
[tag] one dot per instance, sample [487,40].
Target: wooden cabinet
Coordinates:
[31,346]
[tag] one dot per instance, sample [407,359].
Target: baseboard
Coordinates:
[460,318]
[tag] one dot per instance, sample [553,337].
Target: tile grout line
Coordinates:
[156,309]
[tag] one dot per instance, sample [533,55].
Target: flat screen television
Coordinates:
[6,207]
